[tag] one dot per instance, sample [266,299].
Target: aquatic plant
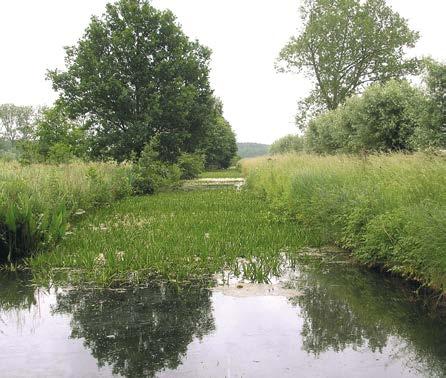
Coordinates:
[176,236]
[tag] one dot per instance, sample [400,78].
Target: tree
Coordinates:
[59,136]
[344,46]
[434,116]
[286,144]
[135,75]
[16,122]
[220,144]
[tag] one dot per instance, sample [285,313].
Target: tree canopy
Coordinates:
[135,75]
[16,122]
[344,46]
[287,144]
[220,144]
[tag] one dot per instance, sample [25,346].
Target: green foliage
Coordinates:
[133,75]
[433,135]
[345,45]
[221,145]
[149,173]
[38,201]
[389,211]
[178,236]
[59,138]
[191,165]
[289,143]
[387,117]
[246,150]
[59,153]
[16,122]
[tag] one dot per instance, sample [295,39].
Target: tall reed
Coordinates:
[389,210]
[38,201]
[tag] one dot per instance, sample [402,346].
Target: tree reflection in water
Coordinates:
[142,331]
[343,306]
[16,291]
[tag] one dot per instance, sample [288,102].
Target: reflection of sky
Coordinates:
[254,337]
[260,337]
[36,343]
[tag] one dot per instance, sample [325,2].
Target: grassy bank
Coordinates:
[222,173]
[390,211]
[37,202]
[178,236]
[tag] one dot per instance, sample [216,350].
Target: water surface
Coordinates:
[335,320]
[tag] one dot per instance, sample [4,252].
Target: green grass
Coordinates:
[38,201]
[223,173]
[389,211]
[179,236]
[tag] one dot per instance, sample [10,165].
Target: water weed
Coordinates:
[177,236]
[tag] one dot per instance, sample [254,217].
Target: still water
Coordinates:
[331,320]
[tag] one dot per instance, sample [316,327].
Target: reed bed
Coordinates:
[37,202]
[388,210]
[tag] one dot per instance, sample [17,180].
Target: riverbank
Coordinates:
[389,211]
[38,201]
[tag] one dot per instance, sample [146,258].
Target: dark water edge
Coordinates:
[335,320]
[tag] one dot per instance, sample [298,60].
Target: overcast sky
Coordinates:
[245,36]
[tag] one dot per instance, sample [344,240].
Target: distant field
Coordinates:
[226,173]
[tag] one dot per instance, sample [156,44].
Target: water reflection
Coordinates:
[138,332]
[16,292]
[345,320]
[343,306]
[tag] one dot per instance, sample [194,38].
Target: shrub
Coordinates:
[150,174]
[59,153]
[387,117]
[191,165]
[433,134]
[289,143]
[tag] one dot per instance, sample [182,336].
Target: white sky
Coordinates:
[245,36]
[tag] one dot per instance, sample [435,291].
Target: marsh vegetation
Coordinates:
[124,205]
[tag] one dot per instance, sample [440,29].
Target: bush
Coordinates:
[59,153]
[289,143]
[220,145]
[149,174]
[387,117]
[433,134]
[191,165]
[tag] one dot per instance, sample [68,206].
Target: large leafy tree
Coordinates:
[435,79]
[135,75]
[220,145]
[344,46]
[16,122]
